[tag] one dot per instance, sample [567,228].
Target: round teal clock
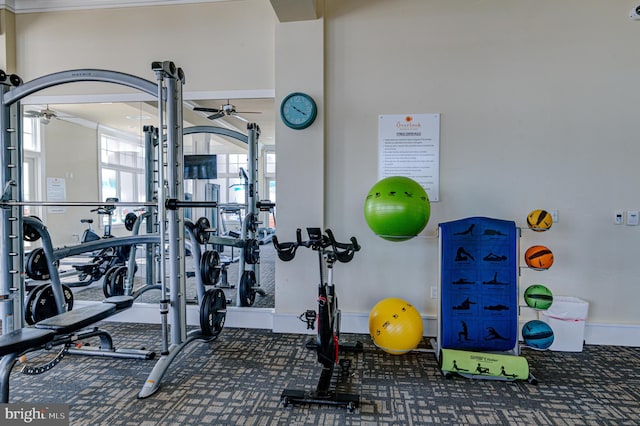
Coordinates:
[298,110]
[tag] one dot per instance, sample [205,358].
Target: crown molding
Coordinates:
[8,4]
[31,6]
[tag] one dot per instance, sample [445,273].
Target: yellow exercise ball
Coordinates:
[395,326]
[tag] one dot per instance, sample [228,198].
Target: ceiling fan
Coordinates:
[45,115]
[224,111]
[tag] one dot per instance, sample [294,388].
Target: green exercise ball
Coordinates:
[397,208]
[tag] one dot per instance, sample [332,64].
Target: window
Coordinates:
[270,185]
[122,166]
[270,163]
[231,180]
[32,164]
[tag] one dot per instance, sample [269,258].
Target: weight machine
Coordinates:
[17,339]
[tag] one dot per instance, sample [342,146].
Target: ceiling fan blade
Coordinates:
[206,109]
[249,112]
[239,117]
[216,115]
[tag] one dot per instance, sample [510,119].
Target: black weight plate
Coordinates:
[251,251]
[204,268]
[247,288]
[210,267]
[213,312]
[130,220]
[215,271]
[200,230]
[28,264]
[36,266]
[106,282]
[15,79]
[44,305]
[29,303]
[114,286]
[118,280]
[29,233]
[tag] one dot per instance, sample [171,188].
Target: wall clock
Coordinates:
[298,110]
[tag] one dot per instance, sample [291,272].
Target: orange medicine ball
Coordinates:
[538,257]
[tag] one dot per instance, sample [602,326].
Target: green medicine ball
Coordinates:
[538,296]
[397,208]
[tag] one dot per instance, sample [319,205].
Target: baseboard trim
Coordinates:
[612,334]
[358,323]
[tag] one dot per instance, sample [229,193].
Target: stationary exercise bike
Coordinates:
[327,342]
[106,258]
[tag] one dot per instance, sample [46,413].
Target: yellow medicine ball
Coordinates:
[539,220]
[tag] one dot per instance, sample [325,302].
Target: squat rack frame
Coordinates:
[170,193]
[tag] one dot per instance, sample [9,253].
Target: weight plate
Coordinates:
[251,251]
[29,233]
[29,303]
[106,283]
[200,230]
[118,280]
[115,284]
[36,266]
[130,220]
[247,288]
[44,305]
[210,267]
[15,79]
[204,268]
[215,270]
[213,312]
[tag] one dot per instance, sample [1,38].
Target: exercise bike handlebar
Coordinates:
[286,251]
[344,252]
[104,210]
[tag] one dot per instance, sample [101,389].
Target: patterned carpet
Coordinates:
[238,379]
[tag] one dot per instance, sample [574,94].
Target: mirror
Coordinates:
[92,151]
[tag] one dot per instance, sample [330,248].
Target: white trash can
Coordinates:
[567,317]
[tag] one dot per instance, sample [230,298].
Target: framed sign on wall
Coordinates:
[409,145]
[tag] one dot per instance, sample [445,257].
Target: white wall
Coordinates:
[220,46]
[539,106]
[71,153]
[300,161]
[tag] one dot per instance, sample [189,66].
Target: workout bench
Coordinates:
[63,329]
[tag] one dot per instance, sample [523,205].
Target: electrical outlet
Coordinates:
[618,217]
[434,292]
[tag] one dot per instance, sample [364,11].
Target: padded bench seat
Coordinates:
[121,302]
[74,320]
[20,340]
